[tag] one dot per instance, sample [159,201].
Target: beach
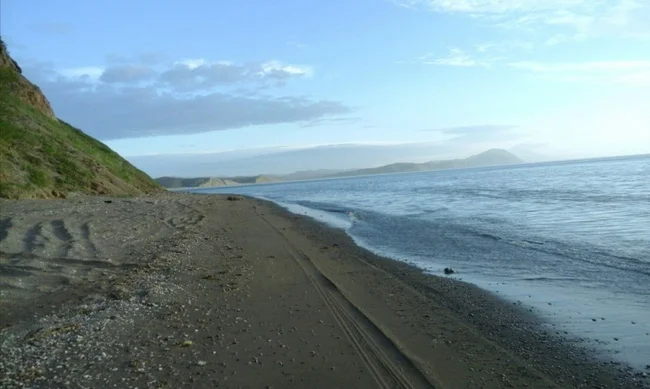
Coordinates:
[204,291]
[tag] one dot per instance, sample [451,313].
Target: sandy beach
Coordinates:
[206,291]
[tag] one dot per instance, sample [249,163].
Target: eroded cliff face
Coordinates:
[20,86]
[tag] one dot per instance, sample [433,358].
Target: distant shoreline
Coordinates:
[522,164]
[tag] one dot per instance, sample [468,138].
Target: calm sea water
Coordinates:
[569,240]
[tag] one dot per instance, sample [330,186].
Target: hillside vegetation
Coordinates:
[42,156]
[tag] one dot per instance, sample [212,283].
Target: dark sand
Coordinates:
[202,292]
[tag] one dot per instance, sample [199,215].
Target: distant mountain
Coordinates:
[178,182]
[204,182]
[261,179]
[43,157]
[493,157]
[531,153]
[309,174]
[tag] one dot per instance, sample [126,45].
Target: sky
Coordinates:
[206,87]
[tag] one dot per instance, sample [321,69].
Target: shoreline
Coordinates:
[608,345]
[496,319]
[240,271]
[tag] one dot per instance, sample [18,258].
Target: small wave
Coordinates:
[335,210]
[325,207]
[580,253]
[354,216]
[596,258]
[552,279]
[489,236]
[624,258]
[428,211]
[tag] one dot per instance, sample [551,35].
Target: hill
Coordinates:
[493,157]
[202,182]
[309,174]
[179,182]
[43,157]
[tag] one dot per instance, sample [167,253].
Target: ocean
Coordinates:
[568,240]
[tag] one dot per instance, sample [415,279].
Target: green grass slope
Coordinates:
[43,157]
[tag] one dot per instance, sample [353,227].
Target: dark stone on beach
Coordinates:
[449,270]
[119,292]
[234,198]
[108,201]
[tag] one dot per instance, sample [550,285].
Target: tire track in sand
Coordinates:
[64,239]
[86,240]
[387,364]
[59,238]
[33,238]
[5,225]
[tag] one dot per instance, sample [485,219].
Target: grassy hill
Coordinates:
[42,156]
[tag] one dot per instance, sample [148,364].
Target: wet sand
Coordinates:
[201,291]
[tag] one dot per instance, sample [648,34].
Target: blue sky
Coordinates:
[163,81]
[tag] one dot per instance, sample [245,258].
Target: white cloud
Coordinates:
[127,74]
[577,19]
[484,47]
[593,66]
[504,47]
[455,57]
[189,96]
[264,67]
[91,72]
[277,66]
[632,73]
[556,39]
[190,75]
[191,63]
[498,6]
